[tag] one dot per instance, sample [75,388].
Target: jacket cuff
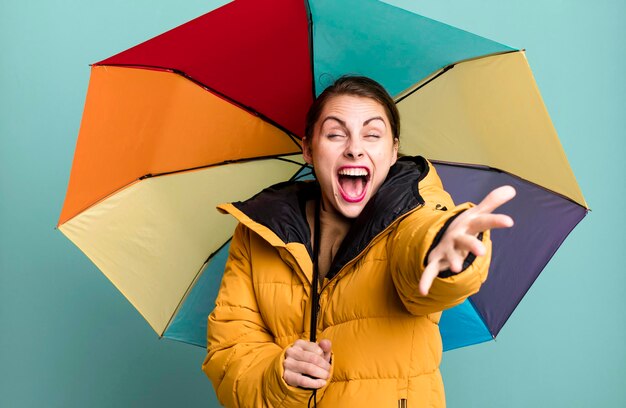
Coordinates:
[467,262]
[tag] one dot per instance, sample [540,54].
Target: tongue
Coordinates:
[352,186]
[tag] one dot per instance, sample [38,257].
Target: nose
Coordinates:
[354,150]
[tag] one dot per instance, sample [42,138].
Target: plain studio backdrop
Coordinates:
[68,338]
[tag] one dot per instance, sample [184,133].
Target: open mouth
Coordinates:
[353,182]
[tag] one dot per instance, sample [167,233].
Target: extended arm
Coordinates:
[412,246]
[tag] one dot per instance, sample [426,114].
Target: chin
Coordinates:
[351,210]
[350,214]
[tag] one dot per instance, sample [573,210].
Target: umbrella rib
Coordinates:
[440,73]
[489,168]
[309,15]
[482,318]
[217,250]
[293,162]
[234,161]
[446,69]
[191,285]
[240,105]
[296,175]
[150,175]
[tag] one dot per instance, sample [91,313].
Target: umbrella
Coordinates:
[213,111]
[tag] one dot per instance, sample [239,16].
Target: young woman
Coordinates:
[390,249]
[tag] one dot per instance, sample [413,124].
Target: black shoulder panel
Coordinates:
[281,208]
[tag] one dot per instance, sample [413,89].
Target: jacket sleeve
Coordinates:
[243,362]
[411,242]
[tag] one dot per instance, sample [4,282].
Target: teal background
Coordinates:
[69,339]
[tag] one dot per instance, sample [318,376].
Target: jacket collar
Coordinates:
[281,208]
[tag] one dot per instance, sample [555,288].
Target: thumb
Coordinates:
[326,345]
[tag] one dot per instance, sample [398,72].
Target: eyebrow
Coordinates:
[343,123]
[375,118]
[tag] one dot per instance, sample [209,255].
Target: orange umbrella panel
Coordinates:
[140,122]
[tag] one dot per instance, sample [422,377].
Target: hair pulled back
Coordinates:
[354,85]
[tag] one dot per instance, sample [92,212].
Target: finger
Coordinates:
[307,346]
[466,243]
[455,259]
[299,380]
[496,198]
[306,357]
[300,344]
[428,276]
[486,222]
[307,368]
[311,347]
[326,345]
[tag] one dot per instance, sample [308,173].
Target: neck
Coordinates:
[333,228]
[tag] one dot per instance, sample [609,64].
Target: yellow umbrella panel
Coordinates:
[488,112]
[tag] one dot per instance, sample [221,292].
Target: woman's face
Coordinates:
[352,149]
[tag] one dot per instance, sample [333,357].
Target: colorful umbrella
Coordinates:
[213,111]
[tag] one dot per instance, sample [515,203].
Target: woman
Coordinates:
[392,251]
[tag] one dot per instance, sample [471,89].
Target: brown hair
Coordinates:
[355,86]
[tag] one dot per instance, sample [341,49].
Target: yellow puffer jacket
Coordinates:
[386,342]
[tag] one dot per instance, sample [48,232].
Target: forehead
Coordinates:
[350,107]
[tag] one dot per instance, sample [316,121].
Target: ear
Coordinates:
[307,153]
[396,146]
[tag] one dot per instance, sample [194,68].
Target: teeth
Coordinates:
[353,172]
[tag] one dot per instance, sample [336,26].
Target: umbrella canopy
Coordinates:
[213,111]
